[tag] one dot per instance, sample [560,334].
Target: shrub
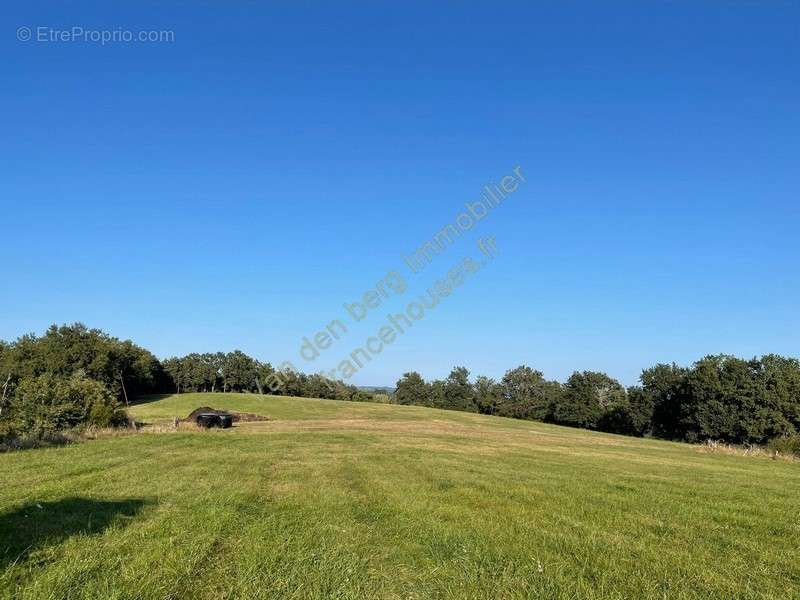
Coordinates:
[106,415]
[49,404]
[786,444]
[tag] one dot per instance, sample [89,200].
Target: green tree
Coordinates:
[488,395]
[317,386]
[436,395]
[587,397]
[664,387]
[781,381]
[735,400]
[264,375]
[359,395]
[173,366]
[411,389]
[123,367]
[5,375]
[635,417]
[527,395]
[458,392]
[239,372]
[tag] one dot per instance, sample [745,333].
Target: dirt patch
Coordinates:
[238,417]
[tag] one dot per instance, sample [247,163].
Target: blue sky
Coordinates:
[235,187]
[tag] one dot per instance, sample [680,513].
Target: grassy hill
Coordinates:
[347,500]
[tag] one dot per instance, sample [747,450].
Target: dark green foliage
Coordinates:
[719,397]
[664,386]
[437,394]
[292,384]
[721,401]
[725,398]
[5,383]
[588,398]
[359,396]
[525,394]
[781,388]
[51,403]
[488,395]
[73,375]
[786,444]
[411,389]
[316,386]
[264,375]
[121,366]
[70,377]
[238,372]
[196,372]
[638,413]
[458,392]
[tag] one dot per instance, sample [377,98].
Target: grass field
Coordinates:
[346,500]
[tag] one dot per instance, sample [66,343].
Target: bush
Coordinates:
[106,415]
[786,444]
[49,404]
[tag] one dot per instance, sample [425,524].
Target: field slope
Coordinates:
[345,500]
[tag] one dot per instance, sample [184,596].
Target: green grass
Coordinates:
[349,500]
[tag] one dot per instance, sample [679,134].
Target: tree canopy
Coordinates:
[72,375]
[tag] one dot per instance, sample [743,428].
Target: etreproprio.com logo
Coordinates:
[44,34]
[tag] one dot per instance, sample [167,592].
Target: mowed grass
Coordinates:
[347,500]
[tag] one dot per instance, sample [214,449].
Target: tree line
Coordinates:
[719,398]
[72,376]
[237,372]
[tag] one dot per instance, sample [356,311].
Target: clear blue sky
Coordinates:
[233,188]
